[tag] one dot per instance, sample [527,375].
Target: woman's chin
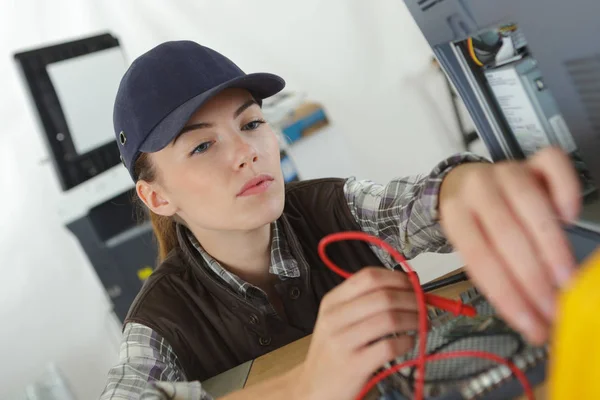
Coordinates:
[266,212]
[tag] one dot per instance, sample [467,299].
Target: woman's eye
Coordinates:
[202,147]
[250,126]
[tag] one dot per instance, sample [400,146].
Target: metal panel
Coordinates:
[561,53]
[488,123]
[117,264]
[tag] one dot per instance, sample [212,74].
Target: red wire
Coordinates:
[422,357]
[443,356]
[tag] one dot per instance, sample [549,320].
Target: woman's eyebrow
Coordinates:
[243,108]
[201,125]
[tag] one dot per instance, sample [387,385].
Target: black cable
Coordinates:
[440,283]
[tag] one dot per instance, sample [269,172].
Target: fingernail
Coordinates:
[525,323]
[573,212]
[549,308]
[563,274]
[568,211]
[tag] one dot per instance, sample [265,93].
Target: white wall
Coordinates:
[365,61]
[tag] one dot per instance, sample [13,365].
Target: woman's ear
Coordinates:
[154,198]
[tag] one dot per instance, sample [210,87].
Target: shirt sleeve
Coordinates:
[148,369]
[404,212]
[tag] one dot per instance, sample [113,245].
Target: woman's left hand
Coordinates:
[506,221]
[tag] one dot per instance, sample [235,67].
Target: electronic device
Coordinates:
[528,72]
[529,75]
[463,349]
[469,378]
[72,87]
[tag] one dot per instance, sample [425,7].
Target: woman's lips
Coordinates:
[256,185]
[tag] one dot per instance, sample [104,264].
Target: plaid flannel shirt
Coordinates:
[404,213]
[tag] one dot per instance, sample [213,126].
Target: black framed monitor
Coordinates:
[72,86]
[529,75]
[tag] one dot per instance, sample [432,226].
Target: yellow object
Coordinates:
[575,348]
[144,273]
[472,52]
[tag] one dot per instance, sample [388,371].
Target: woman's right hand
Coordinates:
[345,348]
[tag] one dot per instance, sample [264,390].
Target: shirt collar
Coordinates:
[283,264]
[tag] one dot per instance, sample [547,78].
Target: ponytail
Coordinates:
[163,227]
[165,233]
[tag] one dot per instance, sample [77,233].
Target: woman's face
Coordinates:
[223,171]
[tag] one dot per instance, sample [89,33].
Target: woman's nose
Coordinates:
[246,154]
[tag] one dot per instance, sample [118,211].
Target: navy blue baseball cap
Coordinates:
[163,88]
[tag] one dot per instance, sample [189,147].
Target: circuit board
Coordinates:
[468,378]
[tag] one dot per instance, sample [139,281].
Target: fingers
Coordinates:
[492,276]
[371,304]
[376,355]
[367,306]
[355,320]
[511,242]
[377,326]
[556,171]
[365,281]
[537,215]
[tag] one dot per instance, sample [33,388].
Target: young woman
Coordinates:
[239,273]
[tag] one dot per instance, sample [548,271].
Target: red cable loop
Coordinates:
[455,307]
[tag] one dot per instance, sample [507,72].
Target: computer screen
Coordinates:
[72,87]
[86,87]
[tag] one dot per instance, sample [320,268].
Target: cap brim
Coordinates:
[261,85]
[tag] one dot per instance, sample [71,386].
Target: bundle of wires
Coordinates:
[483,48]
[422,357]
